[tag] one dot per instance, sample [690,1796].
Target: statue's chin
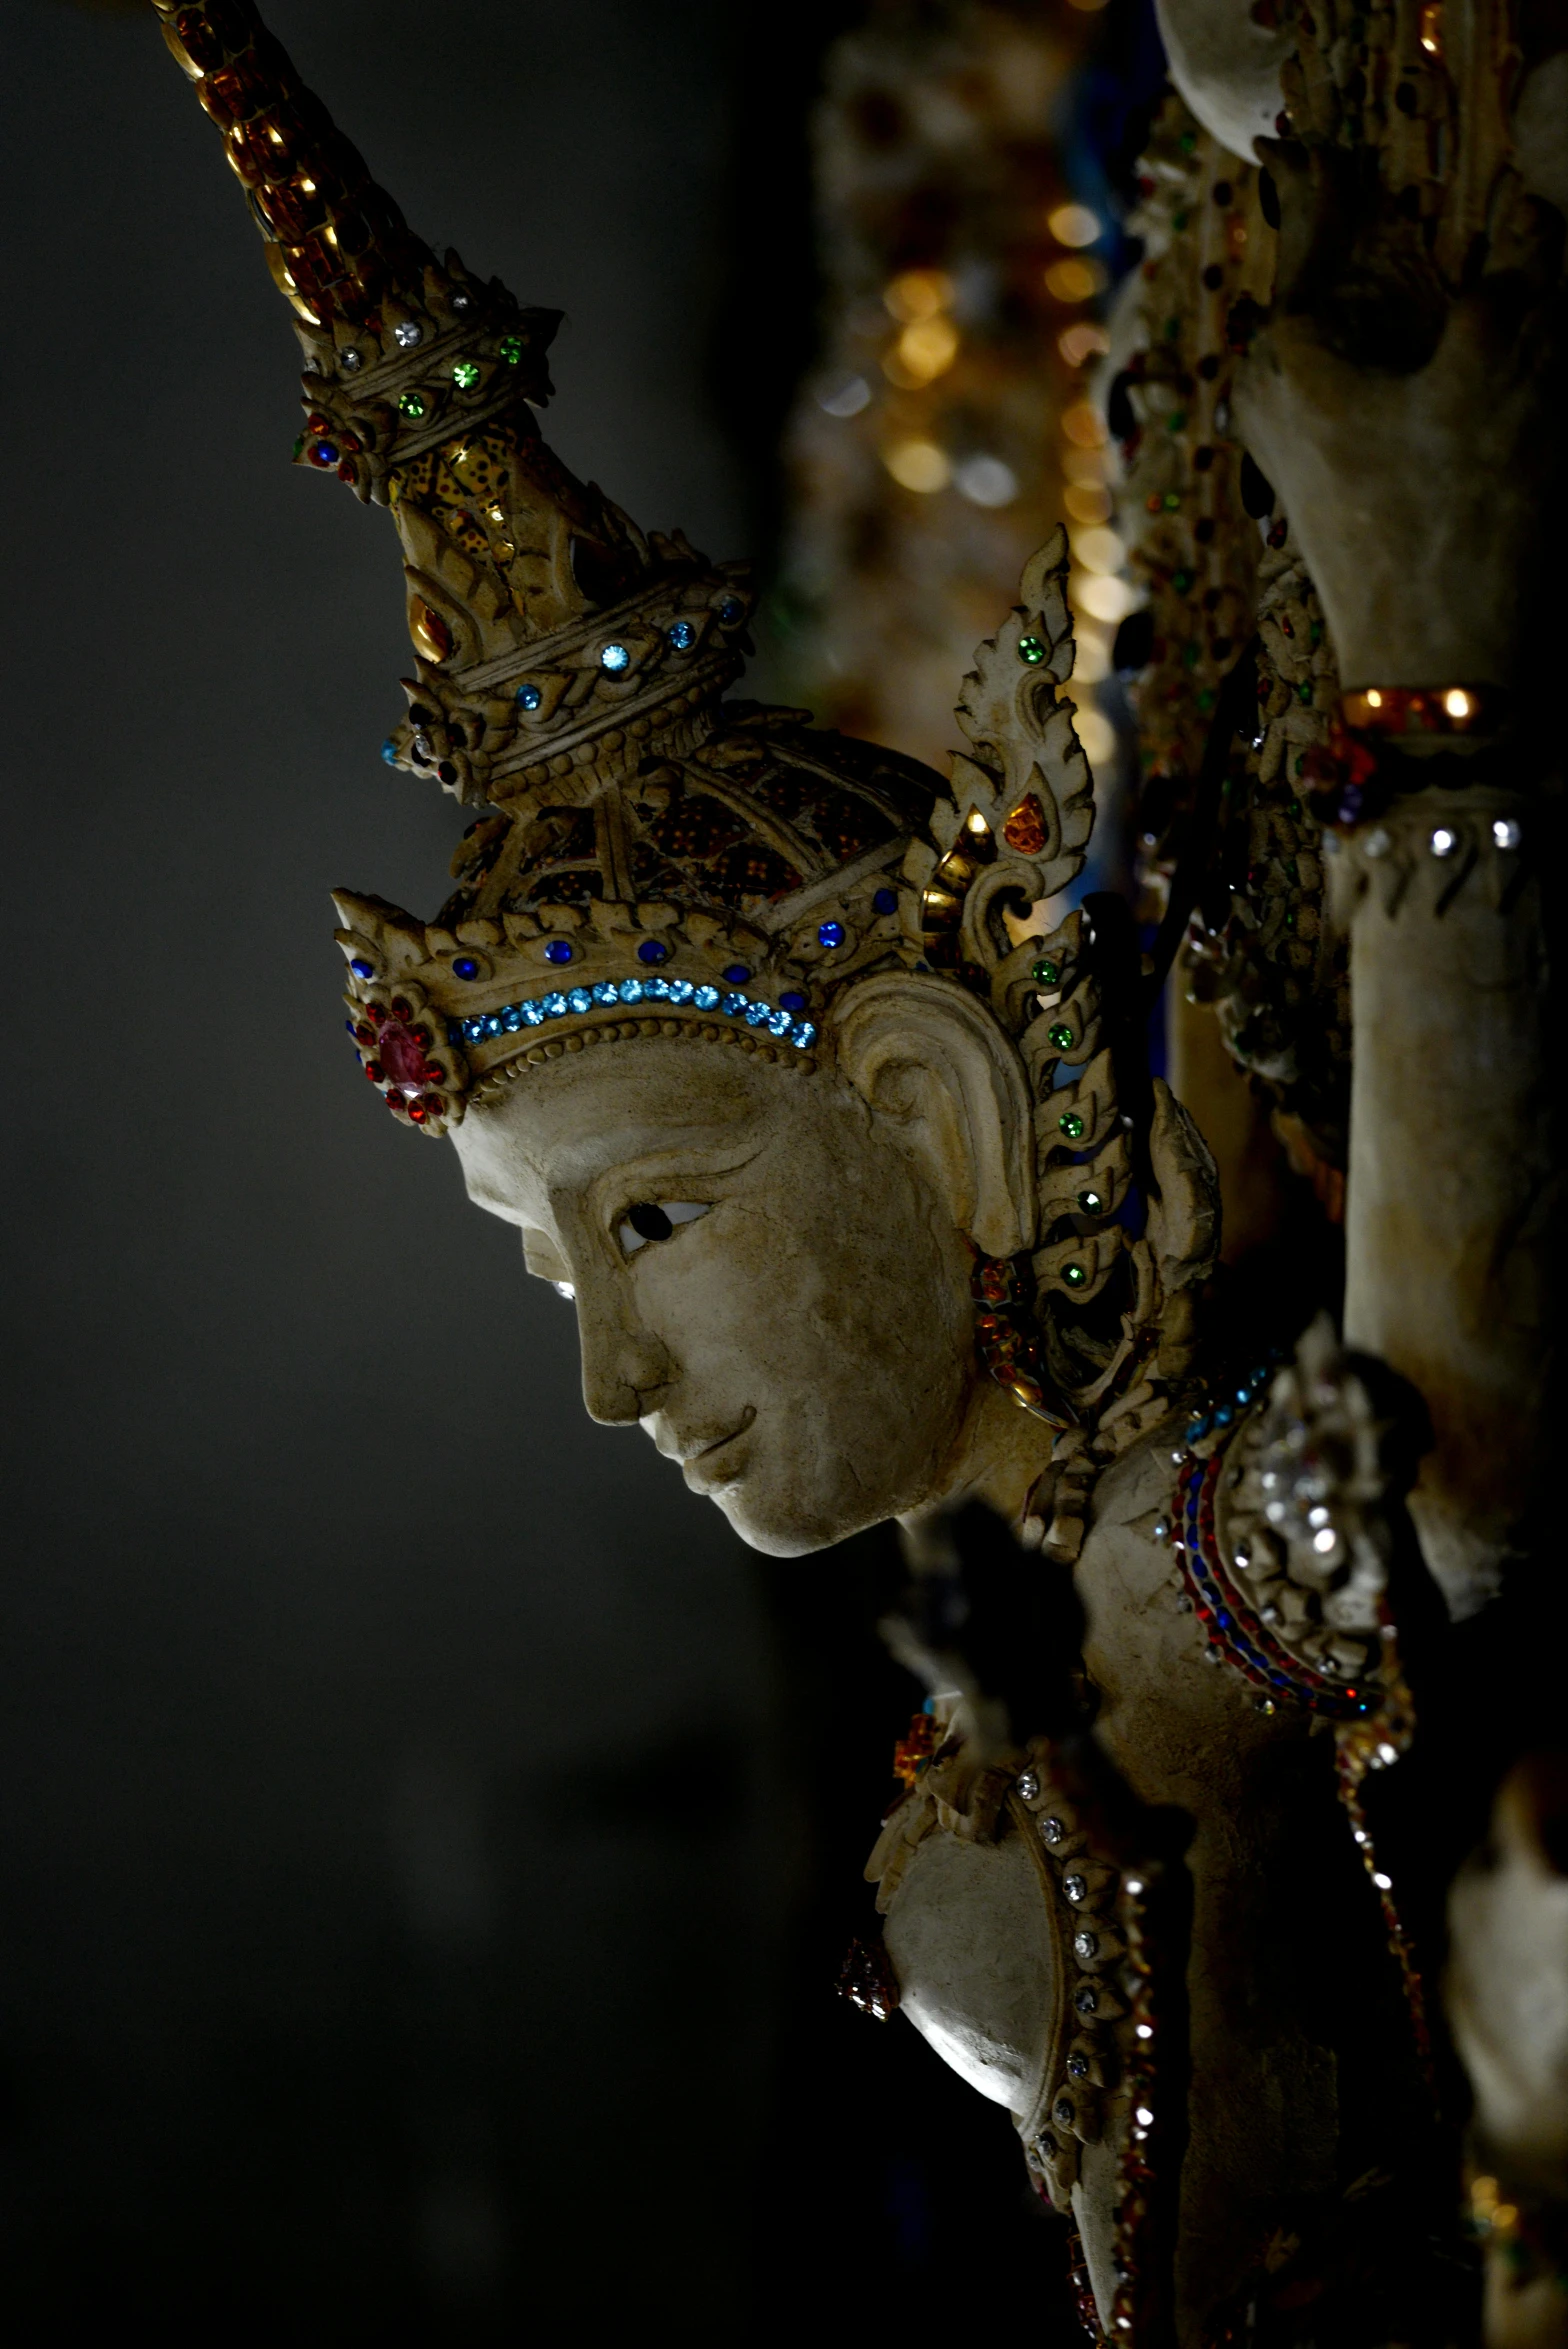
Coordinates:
[777,1525]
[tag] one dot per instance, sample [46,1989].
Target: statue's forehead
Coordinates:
[559,1129]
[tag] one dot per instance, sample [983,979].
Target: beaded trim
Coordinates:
[533,1011]
[495,1080]
[1234,1637]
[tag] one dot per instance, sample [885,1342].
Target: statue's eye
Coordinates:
[644,1221]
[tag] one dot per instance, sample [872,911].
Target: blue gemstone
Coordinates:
[733,1003]
[472,1031]
[793,1001]
[615,658]
[682,635]
[885,901]
[1224,1415]
[554,1006]
[657,990]
[349,1025]
[529,697]
[558,950]
[706,998]
[606,991]
[632,990]
[681,990]
[1223,1621]
[389,751]
[737,974]
[362,969]
[513,1016]
[580,999]
[325,452]
[533,1012]
[731,610]
[803,1033]
[465,967]
[493,1024]
[779,1022]
[758,1015]
[653,950]
[830,933]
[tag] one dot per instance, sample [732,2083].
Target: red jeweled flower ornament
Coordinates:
[403,1048]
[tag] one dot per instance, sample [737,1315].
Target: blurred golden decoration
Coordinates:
[918,293]
[918,465]
[1075,225]
[1084,340]
[1083,425]
[1431,33]
[1075,280]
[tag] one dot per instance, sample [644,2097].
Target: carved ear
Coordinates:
[926,1054]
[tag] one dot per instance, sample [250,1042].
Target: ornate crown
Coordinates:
[650,859]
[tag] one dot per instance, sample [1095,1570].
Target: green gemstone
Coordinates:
[1071,1124]
[1178,221]
[411,404]
[1061,1035]
[1047,973]
[1171,501]
[1187,142]
[299,444]
[1176,421]
[1074,1275]
[1205,701]
[1315,632]
[1031,649]
[465,374]
[1181,581]
[1091,1202]
[1189,656]
[1304,694]
[511,348]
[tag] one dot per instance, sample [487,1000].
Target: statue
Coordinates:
[851,1160]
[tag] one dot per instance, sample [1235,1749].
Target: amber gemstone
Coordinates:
[1024,829]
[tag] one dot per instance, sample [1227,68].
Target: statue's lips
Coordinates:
[718,1462]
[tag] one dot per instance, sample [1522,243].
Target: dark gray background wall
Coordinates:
[425,1828]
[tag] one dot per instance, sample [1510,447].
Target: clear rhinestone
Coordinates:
[1052,1830]
[1162,1529]
[1076,1888]
[1028,1785]
[1213,1654]
[1077,2067]
[351,361]
[1087,2000]
[1184,1605]
[1243,1559]
[1505,833]
[1443,841]
[1062,2111]
[1270,1613]
[462,302]
[1086,1945]
[1378,842]
[407,333]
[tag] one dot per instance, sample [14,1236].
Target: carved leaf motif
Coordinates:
[1024,742]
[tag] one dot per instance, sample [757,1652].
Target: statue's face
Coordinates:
[765,1276]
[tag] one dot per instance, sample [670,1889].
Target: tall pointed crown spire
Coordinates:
[543,618]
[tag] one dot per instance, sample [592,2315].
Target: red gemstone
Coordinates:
[402,1058]
[373,1071]
[416,1112]
[402,1009]
[377,1012]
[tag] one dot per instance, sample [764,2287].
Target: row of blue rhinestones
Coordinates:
[512,1017]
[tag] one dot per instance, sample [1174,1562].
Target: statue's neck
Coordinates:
[999,1454]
